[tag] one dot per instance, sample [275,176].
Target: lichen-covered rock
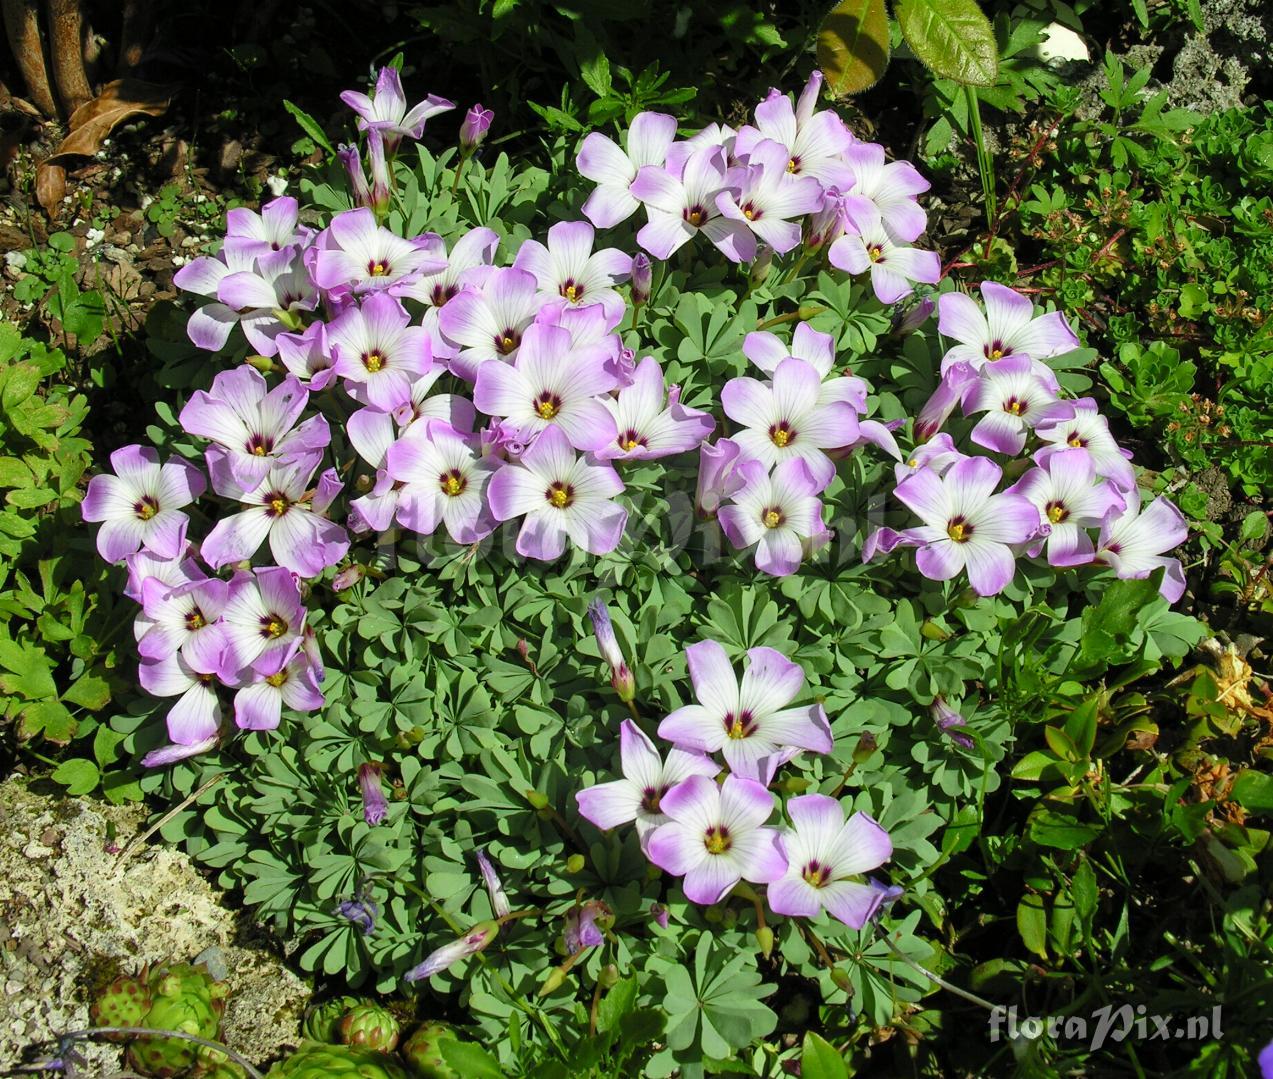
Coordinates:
[369,1026]
[315,1061]
[74,917]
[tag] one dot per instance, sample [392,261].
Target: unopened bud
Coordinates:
[554,981]
[575,863]
[865,747]
[842,980]
[765,940]
[537,799]
[930,630]
[348,577]
[477,122]
[642,279]
[608,975]
[262,363]
[761,266]
[364,483]
[623,683]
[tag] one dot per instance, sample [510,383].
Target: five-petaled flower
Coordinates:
[780,515]
[716,836]
[139,507]
[749,723]
[824,854]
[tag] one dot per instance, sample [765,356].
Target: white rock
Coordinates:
[1060,44]
[276,184]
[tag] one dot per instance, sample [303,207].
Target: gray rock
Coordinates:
[73,915]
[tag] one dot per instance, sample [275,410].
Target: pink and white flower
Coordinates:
[256,426]
[443,479]
[647,777]
[889,189]
[378,353]
[750,724]
[551,384]
[264,622]
[893,266]
[825,853]
[196,717]
[786,418]
[1015,394]
[814,143]
[258,706]
[780,515]
[273,229]
[270,297]
[678,208]
[282,509]
[307,356]
[140,506]
[764,196]
[1083,427]
[613,169]
[386,109]
[1133,542]
[354,254]
[486,321]
[966,525]
[716,837]
[568,269]
[209,326]
[647,429]
[1007,327]
[184,619]
[1070,499]
[723,471]
[561,496]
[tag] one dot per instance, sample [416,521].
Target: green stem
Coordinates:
[459,171]
[985,162]
[972,998]
[791,316]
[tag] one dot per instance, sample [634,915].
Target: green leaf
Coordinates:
[89,691]
[616,1004]
[1051,829]
[310,126]
[1032,924]
[78,776]
[819,1059]
[952,38]
[1253,791]
[469,1060]
[853,45]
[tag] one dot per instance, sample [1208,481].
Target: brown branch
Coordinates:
[66,46]
[22,26]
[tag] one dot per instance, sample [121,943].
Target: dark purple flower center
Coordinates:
[276,504]
[560,495]
[195,619]
[453,482]
[751,211]
[782,434]
[1016,406]
[277,678]
[741,725]
[959,529]
[507,341]
[875,252]
[1056,511]
[442,293]
[547,405]
[377,268]
[375,361]
[146,507]
[1076,440]
[631,439]
[996,350]
[650,798]
[694,215]
[793,163]
[572,290]
[273,626]
[816,874]
[717,839]
[260,445]
[772,516]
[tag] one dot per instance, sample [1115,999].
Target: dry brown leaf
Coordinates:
[50,187]
[118,101]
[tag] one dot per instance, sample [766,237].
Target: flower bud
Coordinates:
[381,181]
[948,721]
[765,940]
[661,915]
[642,279]
[620,675]
[554,981]
[906,324]
[499,899]
[374,806]
[761,266]
[348,577]
[842,980]
[262,363]
[474,941]
[352,160]
[477,122]
[608,976]
[537,799]
[575,863]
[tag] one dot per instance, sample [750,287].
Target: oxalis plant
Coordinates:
[580,595]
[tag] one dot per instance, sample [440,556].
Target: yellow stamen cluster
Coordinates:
[717,840]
